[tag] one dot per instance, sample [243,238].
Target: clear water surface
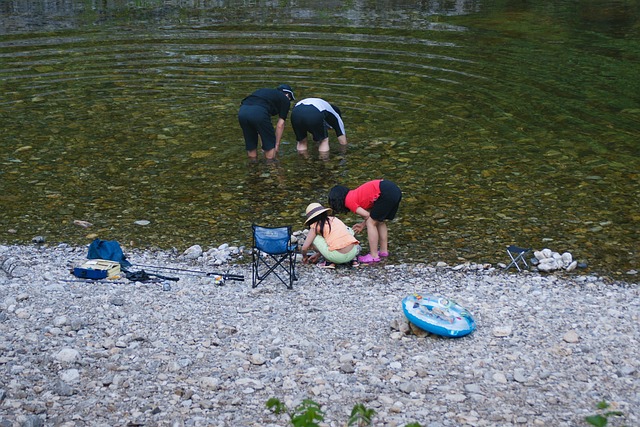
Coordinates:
[502,121]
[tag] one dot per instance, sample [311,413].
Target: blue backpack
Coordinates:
[111,250]
[107,249]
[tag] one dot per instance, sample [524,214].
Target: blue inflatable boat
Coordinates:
[438,315]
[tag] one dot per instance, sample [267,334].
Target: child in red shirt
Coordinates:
[375,201]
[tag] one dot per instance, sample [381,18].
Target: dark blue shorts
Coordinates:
[255,120]
[307,118]
[386,206]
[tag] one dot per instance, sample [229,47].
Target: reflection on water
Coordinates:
[501,124]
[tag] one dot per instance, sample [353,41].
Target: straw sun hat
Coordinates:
[315,209]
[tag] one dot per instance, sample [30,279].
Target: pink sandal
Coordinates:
[368,259]
[383,254]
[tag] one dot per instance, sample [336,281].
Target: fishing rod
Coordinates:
[225,276]
[95,281]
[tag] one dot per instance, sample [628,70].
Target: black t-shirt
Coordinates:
[275,101]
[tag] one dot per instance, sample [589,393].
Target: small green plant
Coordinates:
[361,416]
[602,420]
[308,413]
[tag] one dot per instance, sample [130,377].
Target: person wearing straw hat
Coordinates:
[330,237]
[255,115]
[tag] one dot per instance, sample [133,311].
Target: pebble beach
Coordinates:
[195,352]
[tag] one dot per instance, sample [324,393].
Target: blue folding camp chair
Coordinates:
[273,253]
[517,255]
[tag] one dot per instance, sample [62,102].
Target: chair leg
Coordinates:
[292,260]
[277,268]
[254,269]
[292,269]
[513,263]
[521,256]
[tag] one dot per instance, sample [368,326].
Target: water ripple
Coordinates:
[492,137]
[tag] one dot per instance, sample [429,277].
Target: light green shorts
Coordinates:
[335,256]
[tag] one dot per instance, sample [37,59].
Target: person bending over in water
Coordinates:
[375,201]
[316,116]
[254,117]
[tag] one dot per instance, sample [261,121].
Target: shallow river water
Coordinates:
[502,121]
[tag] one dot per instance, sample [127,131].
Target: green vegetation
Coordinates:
[602,419]
[308,413]
[361,416]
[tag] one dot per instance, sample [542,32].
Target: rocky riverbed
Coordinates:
[547,349]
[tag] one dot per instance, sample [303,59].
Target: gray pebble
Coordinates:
[204,354]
